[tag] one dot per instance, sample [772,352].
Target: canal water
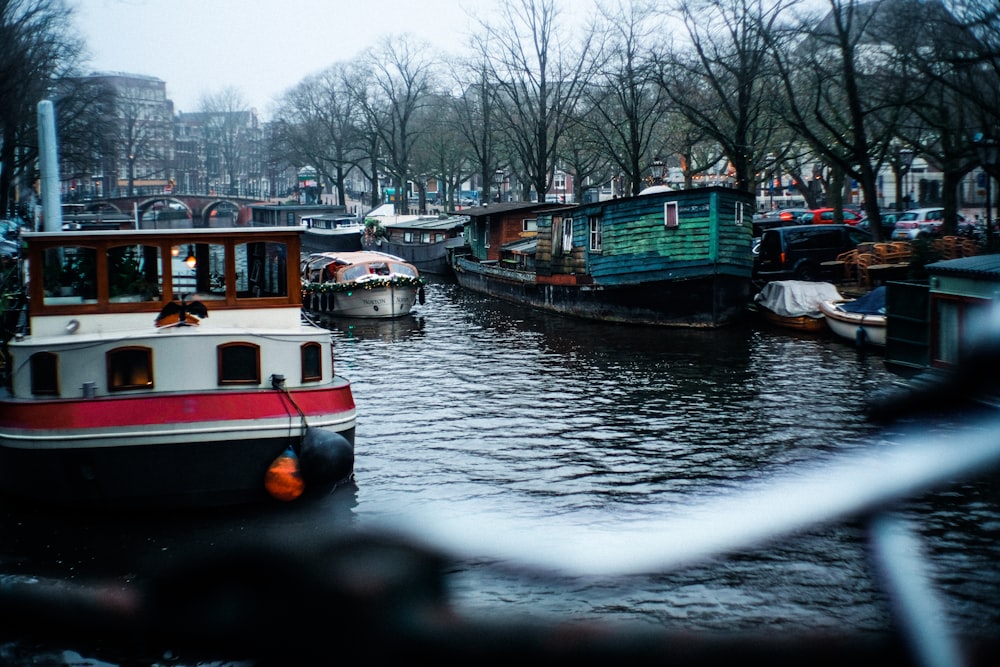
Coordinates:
[509,439]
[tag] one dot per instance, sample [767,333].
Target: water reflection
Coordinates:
[541,427]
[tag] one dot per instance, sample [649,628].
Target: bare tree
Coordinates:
[442,151]
[628,104]
[38,46]
[84,126]
[722,78]
[850,94]
[956,88]
[539,69]
[135,131]
[402,82]
[230,124]
[317,125]
[476,113]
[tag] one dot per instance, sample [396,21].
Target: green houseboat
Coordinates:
[671,258]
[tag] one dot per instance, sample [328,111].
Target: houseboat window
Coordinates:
[670,214]
[261,270]
[486,235]
[739,213]
[130,368]
[557,236]
[44,374]
[567,236]
[70,275]
[596,240]
[134,273]
[312,362]
[407,237]
[239,363]
[438,237]
[425,237]
[529,225]
[199,268]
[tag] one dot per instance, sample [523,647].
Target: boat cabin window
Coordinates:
[135,273]
[404,270]
[529,225]
[199,268]
[596,235]
[239,363]
[312,362]
[261,270]
[369,268]
[70,275]
[425,237]
[130,368]
[407,237]
[45,374]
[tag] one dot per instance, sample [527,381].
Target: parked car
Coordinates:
[920,223]
[826,216]
[797,253]
[760,226]
[888,221]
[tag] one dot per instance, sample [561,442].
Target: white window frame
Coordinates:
[567,236]
[596,236]
[671,214]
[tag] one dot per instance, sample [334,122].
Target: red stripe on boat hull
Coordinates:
[139,410]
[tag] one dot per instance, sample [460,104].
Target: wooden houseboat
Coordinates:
[672,258]
[421,240]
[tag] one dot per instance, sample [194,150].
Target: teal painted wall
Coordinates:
[637,246]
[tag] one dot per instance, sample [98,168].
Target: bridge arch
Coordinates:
[197,208]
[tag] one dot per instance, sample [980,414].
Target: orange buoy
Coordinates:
[283,479]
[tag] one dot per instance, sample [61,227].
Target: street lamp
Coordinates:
[498,176]
[988,158]
[656,169]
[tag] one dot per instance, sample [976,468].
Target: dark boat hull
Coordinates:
[144,451]
[433,258]
[707,300]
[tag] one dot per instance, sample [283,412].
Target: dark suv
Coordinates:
[796,253]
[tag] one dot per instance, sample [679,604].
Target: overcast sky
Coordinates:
[261,47]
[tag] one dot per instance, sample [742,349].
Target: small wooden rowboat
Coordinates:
[794,304]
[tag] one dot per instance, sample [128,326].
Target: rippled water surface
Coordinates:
[550,426]
[543,430]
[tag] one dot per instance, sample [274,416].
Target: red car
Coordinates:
[824,216]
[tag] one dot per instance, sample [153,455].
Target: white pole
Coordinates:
[49,167]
